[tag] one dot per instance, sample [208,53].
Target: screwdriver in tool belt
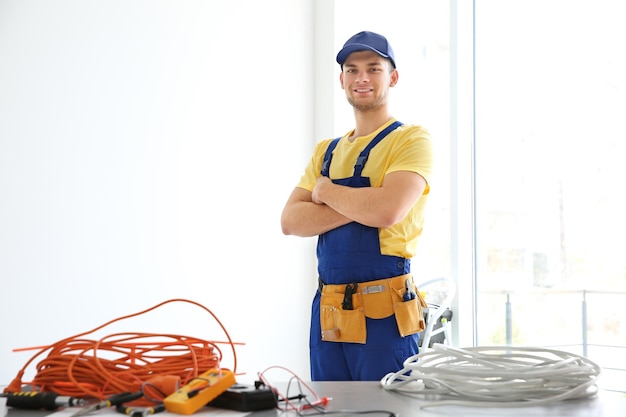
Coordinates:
[37,400]
[112,401]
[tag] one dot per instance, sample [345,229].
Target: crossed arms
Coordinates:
[331,205]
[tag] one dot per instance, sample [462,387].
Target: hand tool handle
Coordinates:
[34,400]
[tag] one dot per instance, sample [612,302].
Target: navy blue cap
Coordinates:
[366,41]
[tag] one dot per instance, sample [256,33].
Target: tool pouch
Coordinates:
[338,324]
[409,313]
[373,299]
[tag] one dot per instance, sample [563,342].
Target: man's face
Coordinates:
[366,78]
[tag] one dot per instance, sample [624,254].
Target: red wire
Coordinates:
[284,396]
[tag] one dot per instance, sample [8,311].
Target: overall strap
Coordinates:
[362,159]
[360,162]
[329,156]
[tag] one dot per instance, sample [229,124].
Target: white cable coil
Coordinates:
[495,376]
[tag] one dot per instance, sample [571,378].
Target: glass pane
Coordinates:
[550,139]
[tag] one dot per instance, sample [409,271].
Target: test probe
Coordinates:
[112,401]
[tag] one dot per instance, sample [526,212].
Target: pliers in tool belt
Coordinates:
[409,294]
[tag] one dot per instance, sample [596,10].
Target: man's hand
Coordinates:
[322,181]
[331,205]
[302,217]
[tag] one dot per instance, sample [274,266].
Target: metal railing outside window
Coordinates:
[585,322]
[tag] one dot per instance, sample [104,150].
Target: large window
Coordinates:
[539,190]
[550,140]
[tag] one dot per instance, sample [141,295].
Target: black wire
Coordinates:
[155,388]
[354,412]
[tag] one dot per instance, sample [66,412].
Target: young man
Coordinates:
[363,195]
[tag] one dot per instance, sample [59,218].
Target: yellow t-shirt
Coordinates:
[407,148]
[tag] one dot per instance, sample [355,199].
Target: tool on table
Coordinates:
[112,401]
[243,397]
[37,400]
[322,402]
[140,411]
[199,391]
[347,296]
[409,294]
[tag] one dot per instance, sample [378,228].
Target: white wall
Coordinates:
[146,150]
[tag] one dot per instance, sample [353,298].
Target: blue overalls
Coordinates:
[351,253]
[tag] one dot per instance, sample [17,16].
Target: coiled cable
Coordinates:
[494,376]
[123,362]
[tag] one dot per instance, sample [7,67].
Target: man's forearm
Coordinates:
[310,219]
[365,205]
[379,207]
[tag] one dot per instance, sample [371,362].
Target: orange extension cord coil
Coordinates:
[153,363]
